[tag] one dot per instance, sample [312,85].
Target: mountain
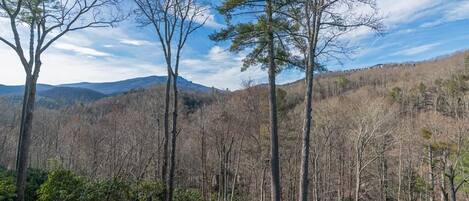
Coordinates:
[61,95]
[69,95]
[4,89]
[109,88]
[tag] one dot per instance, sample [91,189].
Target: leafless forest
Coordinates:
[396,132]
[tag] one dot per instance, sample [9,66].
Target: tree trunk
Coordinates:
[303,191]
[453,187]
[174,133]
[431,174]
[357,181]
[317,195]
[238,161]
[444,194]
[23,115]
[313,35]
[263,184]
[24,141]
[203,156]
[384,179]
[164,170]
[275,164]
[399,171]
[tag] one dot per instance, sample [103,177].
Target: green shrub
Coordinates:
[422,88]
[35,179]
[62,185]
[187,195]
[454,86]
[144,190]
[342,81]
[109,190]
[396,94]
[7,185]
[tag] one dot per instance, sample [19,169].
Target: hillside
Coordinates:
[380,119]
[70,95]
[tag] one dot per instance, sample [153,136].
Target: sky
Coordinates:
[415,30]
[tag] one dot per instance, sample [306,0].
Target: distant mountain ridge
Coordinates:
[18,89]
[66,94]
[70,95]
[109,88]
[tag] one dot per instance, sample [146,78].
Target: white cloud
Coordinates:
[416,50]
[393,12]
[81,50]
[208,18]
[62,68]
[454,12]
[458,12]
[11,72]
[59,68]
[135,42]
[221,69]
[403,11]
[218,54]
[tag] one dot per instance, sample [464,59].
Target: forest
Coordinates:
[394,131]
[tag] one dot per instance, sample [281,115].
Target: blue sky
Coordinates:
[415,30]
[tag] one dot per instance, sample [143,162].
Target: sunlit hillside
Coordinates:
[388,115]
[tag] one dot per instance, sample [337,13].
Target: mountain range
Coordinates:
[53,95]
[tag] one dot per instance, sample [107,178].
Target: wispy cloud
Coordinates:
[417,50]
[404,11]
[217,53]
[135,42]
[81,50]
[208,18]
[221,69]
[394,13]
[453,12]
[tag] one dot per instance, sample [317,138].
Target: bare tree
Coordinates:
[456,168]
[320,37]
[369,126]
[174,21]
[45,22]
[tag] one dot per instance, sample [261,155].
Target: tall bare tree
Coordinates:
[45,22]
[321,25]
[174,21]
[371,126]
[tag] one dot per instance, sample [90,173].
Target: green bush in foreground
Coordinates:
[187,195]
[64,185]
[109,190]
[35,179]
[7,186]
[148,189]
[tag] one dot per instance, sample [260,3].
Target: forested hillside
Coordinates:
[392,132]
